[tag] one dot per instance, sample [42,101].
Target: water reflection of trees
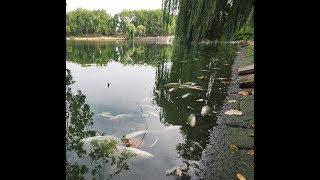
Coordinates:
[125,53]
[188,65]
[103,156]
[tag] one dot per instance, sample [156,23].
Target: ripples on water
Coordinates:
[137,74]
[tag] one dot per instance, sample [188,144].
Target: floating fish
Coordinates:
[136,152]
[191,120]
[122,116]
[134,134]
[105,114]
[106,137]
[171,128]
[186,95]
[222,78]
[189,83]
[205,110]
[171,89]
[199,100]
[184,86]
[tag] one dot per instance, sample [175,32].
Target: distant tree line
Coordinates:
[129,23]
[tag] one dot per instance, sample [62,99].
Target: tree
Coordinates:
[207,19]
[141,30]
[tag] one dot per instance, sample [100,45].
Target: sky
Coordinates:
[113,6]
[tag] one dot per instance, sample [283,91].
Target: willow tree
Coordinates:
[207,19]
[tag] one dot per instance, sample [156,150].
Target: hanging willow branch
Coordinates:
[208,19]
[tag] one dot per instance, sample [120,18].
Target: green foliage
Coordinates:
[141,30]
[82,22]
[208,19]
[245,33]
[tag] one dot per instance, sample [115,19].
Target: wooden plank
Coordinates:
[246,70]
[246,81]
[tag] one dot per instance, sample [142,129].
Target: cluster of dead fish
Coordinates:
[129,142]
[187,85]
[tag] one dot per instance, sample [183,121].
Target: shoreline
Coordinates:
[147,39]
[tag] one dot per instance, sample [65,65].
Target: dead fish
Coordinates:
[189,83]
[184,86]
[186,95]
[171,89]
[106,137]
[122,116]
[137,152]
[222,78]
[201,77]
[205,70]
[191,120]
[205,110]
[105,114]
[134,134]
[199,100]
[171,128]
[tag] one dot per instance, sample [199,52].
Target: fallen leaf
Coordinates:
[233,147]
[240,176]
[233,112]
[232,101]
[243,93]
[250,152]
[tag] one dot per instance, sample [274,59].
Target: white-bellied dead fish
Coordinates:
[186,95]
[222,78]
[190,83]
[105,114]
[171,128]
[172,89]
[134,134]
[191,120]
[205,110]
[106,137]
[199,100]
[136,152]
[122,116]
[184,86]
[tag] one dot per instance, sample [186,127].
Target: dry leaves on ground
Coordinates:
[240,176]
[250,152]
[243,93]
[233,147]
[233,112]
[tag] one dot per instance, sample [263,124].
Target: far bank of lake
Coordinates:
[150,39]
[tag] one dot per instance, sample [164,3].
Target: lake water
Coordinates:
[138,74]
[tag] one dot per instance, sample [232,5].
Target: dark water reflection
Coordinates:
[138,73]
